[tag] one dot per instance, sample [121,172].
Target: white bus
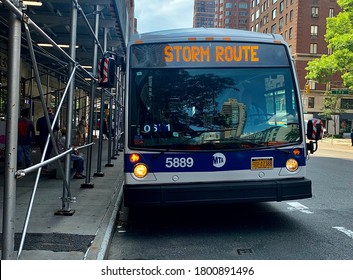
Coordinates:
[211,116]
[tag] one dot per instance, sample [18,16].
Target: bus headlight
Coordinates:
[140,170]
[292,165]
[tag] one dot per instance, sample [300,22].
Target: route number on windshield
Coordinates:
[179,162]
[147,128]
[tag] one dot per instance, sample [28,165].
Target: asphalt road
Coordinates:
[318,228]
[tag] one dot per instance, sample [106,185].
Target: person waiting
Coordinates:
[26,134]
[75,155]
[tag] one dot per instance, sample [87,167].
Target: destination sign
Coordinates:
[201,54]
[207,54]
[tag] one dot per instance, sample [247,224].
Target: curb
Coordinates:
[99,247]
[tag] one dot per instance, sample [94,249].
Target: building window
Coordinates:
[274,13]
[331,12]
[291,15]
[346,104]
[273,28]
[228,5]
[313,48]
[311,102]
[274,1]
[314,11]
[290,33]
[280,23]
[281,6]
[242,5]
[314,30]
[312,84]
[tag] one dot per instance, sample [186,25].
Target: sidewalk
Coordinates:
[336,144]
[84,235]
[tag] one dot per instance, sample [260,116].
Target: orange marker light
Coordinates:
[296,152]
[134,158]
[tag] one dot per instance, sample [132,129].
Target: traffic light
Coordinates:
[307,89]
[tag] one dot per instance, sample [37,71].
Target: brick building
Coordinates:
[302,23]
[232,14]
[204,12]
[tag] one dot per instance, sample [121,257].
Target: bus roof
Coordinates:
[184,34]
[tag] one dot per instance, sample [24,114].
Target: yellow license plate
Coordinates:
[261,163]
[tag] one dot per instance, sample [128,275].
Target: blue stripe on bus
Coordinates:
[204,162]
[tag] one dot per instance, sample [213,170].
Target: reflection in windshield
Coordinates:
[200,109]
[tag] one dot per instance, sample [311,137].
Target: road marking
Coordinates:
[345,231]
[296,206]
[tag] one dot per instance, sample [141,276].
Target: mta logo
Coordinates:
[219,160]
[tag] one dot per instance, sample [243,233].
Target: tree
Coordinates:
[339,36]
[332,108]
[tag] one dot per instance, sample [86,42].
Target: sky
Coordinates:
[155,15]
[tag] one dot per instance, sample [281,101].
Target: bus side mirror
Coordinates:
[314,131]
[107,71]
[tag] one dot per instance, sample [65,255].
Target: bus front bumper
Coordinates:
[216,192]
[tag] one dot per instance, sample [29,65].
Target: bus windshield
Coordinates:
[213,108]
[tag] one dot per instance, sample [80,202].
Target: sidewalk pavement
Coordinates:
[336,144]
[84,235]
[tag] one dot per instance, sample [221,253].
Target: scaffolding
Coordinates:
[72,76]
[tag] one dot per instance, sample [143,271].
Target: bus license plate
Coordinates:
[261,163]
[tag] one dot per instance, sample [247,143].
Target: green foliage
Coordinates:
[347,5]
[331,107]
[339,36]
[321,69]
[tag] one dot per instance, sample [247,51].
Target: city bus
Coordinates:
[212,116]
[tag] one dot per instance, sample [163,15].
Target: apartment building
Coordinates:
[302,23]
[204,12]
[232,14]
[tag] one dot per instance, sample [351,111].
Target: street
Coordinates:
[318,228]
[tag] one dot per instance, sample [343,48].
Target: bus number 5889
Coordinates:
[179,162]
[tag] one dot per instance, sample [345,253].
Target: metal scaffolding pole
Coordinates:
[66,209]
[99,172]
[9,210]
[109,163]
[88,183]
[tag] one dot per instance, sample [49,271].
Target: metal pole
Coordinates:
[9,209]
[87,183]
[109,163]
[66,209]
[99,172]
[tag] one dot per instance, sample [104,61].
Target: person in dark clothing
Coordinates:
[26,134]
[105,129]
[42,127]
